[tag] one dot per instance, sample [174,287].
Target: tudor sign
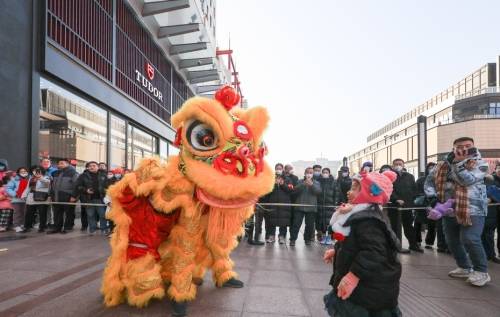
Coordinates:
[150,74]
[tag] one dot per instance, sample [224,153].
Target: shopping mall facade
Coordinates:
[470,107]
[100,79]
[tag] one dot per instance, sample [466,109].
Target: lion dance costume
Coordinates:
[174,221]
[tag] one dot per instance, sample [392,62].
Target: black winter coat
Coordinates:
[343,186]
[85,181]
[327,198]
[405,189]
[491,218]
[370,253]
[279,216]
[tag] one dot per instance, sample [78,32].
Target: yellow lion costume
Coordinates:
[172,222]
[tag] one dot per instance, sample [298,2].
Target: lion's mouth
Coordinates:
[212,201]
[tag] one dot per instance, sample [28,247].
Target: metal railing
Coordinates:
[477,92]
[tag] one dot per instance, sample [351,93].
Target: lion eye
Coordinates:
[201,136]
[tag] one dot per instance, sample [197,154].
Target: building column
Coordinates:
[20,86]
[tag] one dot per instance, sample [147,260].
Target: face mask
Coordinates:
[110,176]
[398,168]
[279,172]
[2,168]
[24,175]
[118,176]
[345,174]
[325,175]
[316,174]
[498,170]
[309,176]
[367,169]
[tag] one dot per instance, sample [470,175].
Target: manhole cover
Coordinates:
[10,238]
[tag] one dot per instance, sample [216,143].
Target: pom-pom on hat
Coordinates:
[376,188]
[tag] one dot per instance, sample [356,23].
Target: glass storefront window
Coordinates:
[117,142]
[163,150]
[140,144]
[70,127]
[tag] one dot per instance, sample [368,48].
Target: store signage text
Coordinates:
[146,83]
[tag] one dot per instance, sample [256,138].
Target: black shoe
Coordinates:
[417,248]
[53,231]
[41,230]
[441,250]
[63,232]
[404,251]
[429,247]
[198,281]
[179,309]
[83,229]
[495,260]
[233,283]
[255,242]
[292,243]
[308,242]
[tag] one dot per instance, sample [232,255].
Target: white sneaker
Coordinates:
[271,239]
[281,240]
[479,278]
[19,229]
[460,273]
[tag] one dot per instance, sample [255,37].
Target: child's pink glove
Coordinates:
[347,285]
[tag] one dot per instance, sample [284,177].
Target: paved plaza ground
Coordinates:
[60,275]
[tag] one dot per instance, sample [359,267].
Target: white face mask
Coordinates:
[118,176]
[110,176]
[279,172]
[367,169]
[345,174]
[325,175]
[309,176]
[23,174]
[398,168]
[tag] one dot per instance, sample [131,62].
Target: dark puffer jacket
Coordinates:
[280,216]
[405,189]
[370,253]
[326,198]
[343,186]
[95,181]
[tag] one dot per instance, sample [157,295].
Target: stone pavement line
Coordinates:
[413,304]
[50,279]
[51,295]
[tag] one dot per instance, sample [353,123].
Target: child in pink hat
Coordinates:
[366,267]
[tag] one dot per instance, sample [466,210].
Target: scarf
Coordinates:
[23,183]
[461,197]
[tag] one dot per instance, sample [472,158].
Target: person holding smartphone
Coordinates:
[461,177]
[307,191]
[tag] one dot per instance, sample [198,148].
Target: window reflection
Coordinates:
[70,127]
[117,142]
[140,144]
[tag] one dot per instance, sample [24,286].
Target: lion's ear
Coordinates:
[257,118]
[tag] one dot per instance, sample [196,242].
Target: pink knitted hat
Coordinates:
[376,188]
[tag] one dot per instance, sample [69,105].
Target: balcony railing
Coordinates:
[487,90]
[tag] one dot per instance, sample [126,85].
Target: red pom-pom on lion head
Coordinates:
[228,97]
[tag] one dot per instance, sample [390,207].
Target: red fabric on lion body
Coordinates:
[148,228]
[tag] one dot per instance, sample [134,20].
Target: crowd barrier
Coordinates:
[262,205]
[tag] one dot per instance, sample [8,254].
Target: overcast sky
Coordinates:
[332,72]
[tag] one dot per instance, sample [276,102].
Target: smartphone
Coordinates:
[472,151]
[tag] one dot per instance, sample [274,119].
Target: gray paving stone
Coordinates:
[274,278]
[286,301]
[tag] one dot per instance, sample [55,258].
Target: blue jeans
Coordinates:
[465,243]
[101,211]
